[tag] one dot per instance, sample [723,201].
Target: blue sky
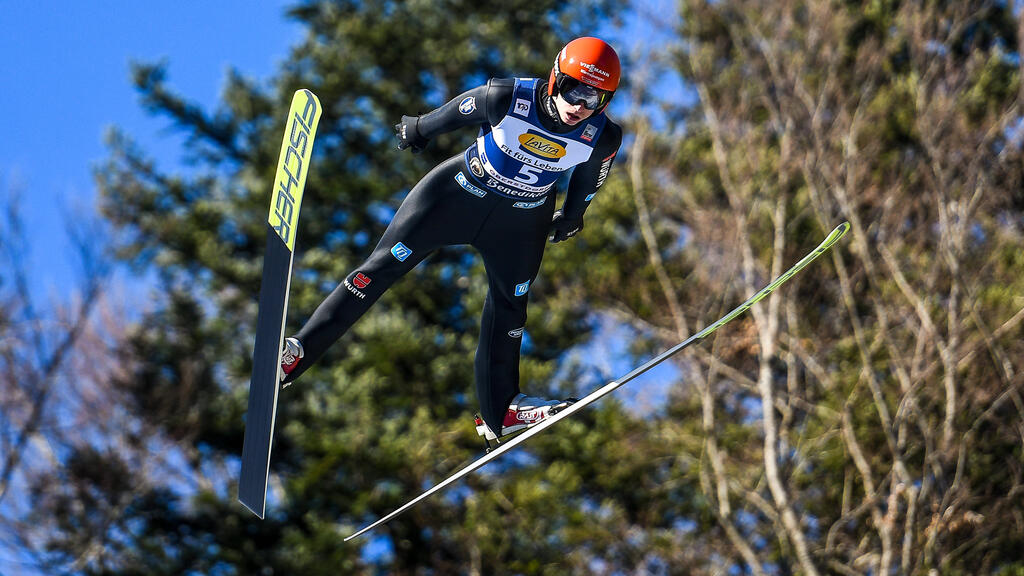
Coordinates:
[64,79]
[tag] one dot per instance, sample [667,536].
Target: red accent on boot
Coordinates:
[289,368]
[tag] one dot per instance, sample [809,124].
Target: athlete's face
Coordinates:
[571,114]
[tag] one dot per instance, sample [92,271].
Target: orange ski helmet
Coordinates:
[587,71]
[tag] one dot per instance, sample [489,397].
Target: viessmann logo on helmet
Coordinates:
[593,74]
[594,70]
[541,146]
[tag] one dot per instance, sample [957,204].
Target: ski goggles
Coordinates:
[575,92]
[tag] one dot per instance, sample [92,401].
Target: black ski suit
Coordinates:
[454,205]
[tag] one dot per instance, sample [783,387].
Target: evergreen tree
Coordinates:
[389,410]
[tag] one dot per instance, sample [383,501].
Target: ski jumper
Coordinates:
[497,196]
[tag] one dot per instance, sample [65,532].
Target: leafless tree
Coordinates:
[57,357]
[882,391]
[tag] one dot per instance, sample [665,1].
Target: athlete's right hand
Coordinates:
[408,136]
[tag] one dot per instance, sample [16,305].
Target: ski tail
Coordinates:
[601,392]
[282,224]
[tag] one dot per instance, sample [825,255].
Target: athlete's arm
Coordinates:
[586,179]
[485,104]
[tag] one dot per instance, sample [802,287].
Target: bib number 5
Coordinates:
[528,174]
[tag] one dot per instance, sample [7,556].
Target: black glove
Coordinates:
[408,136]
[563,227]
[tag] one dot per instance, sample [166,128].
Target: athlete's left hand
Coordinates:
[563,228]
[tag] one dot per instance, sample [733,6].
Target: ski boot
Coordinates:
[524,412]
[290,356]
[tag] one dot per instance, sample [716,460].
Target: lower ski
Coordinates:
[596,395]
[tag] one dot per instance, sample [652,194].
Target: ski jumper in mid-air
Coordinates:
[499,197]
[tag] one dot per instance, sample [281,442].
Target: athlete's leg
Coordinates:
[432,215]
[512,251]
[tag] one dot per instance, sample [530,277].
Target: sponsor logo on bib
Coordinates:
[476,167]
[538,145]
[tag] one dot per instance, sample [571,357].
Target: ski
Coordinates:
[292,168]
[596,395]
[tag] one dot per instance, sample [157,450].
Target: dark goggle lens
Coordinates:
[575,92]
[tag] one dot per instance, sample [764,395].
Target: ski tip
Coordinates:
[308,93]
[841,230]
[833,236]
